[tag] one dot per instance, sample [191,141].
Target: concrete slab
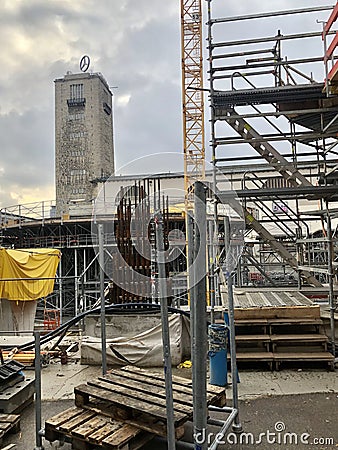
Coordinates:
[15,397]
[285,382]
[58,381]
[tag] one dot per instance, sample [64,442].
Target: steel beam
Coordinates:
[270,14]
[309,192]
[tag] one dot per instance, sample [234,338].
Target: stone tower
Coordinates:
[84,149]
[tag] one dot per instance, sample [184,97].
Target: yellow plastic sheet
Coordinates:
[27,274]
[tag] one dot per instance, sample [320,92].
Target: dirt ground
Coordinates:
[305,421]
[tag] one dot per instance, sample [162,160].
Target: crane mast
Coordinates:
[192,93]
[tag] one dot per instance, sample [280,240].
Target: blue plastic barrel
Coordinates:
[218,334]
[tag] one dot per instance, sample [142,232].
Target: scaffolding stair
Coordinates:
[279,248]
[276,245]
[266,150]
[288,172]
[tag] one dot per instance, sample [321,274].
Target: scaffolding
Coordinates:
[267,108]
[129,229]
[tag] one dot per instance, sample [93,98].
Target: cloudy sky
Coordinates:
[135,44]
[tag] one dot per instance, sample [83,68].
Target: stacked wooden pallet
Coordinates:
[87,429]
[124,409]
[9,423]
[281,335]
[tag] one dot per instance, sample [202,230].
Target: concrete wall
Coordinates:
[17,315]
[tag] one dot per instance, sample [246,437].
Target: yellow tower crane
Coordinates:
[192,93]
[193,111]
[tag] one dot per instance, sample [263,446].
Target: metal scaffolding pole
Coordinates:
[330,258]
[102,297]
[211,264]
[271,14]
[237,424]
[76,284]
[199,317]
[37,364]
[60,291]
[165,331]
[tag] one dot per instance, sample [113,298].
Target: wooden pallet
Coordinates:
[87,430]
[274,326]
[319,357]
[278,312]
[9,423]
[282,335]
[137,397]
[299,342]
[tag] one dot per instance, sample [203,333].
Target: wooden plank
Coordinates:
[8,447]
[182,401]
[243,322]
[110,427]
[150,424]
[299,337]
[156,375]
[134,405]
[120,437]
[63,416]
[296,321]
[177,380]
[129,394]
[52,432]
[10,423]
[314,356]
[157,390]
[11,418]
[278,312]
[90,426]
[76,421]
[140,381]
[252,337]
[215,394]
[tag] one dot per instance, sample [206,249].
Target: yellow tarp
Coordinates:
[27,274]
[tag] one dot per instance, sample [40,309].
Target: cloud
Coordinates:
[27,161]
[134,43]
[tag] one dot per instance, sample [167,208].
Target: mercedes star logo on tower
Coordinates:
[84,63]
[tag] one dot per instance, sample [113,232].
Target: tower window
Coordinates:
[76,91]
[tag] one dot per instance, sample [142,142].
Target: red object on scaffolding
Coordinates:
[51,319]
[332,75]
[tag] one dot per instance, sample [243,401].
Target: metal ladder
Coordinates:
[266,150]
[278,247]
[288,172]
